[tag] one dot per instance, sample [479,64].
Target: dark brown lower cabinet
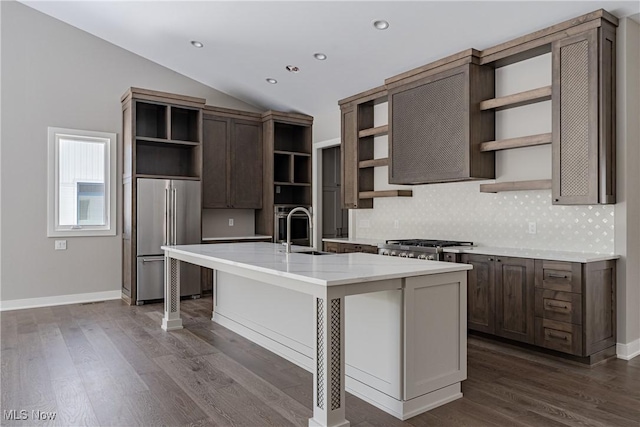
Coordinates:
[563,306]
[346,248]
[575,306]
[515,287]
[481,301]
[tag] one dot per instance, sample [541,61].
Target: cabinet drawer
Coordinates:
[560,306]
[559,276]
[560,336]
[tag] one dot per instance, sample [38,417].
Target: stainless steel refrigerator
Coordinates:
[168,213]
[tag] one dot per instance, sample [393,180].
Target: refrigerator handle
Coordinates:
[175,216]
[166,217]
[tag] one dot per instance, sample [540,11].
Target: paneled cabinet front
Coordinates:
[232,163]
[584,103]
[436,127]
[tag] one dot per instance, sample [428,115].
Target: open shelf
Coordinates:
[541,184]
[385,193]
[377,131]
[292,194]
[153,158]
[301,184]
[165,141]
[151,120]
[184,124]
[292,138]
[523,141]
[373,163]
[517,99]
[297,153]
[189,178]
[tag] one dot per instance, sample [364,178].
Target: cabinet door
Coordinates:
[245,177]
[481,307]
[214,162]
[349,153]
[515,294]
[583,111]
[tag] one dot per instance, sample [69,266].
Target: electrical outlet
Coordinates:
[532,228]
[61,245]
[396,223]
[364,223]
[230,222]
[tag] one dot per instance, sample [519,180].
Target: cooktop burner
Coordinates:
[426,243]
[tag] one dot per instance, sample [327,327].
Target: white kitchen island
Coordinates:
[390,330]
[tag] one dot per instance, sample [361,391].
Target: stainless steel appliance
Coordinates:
[300,232]
[418,248]
[168,213]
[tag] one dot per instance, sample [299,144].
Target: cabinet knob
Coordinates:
[498,260]
[490,259]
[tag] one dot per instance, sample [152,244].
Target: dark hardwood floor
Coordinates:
[110,364]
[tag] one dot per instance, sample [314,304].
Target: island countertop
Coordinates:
[325,270]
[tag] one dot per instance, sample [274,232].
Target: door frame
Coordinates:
[317,190]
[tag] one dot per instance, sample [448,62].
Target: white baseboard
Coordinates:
[19,304]
[628,351]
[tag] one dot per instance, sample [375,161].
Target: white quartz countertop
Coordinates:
[325,270]
[532,253]
[355,240]
[251,237]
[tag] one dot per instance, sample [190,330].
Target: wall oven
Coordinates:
[299,225]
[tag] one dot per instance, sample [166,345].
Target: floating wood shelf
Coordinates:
[541,184]
[517,99]
[385,193]
[373,163]
[523,141]
[377,131]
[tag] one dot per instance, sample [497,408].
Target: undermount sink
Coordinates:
[313,253]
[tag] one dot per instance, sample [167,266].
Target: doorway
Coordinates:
[335,220]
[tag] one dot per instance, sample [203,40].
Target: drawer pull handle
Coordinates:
[558,276]
[555,305]
[559,337]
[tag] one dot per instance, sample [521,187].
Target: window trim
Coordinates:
[53,227]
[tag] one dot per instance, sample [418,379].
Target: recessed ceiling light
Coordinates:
[197,44]
[272,81]
[292,68]
[381,24]
[320,56]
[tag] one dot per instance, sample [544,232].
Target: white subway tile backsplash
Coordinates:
[458,211]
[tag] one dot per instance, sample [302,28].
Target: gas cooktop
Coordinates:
[427,243]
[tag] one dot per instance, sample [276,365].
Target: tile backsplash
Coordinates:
[458,211]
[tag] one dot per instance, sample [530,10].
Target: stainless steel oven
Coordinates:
[299,225]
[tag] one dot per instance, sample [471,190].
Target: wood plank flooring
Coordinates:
[108,364]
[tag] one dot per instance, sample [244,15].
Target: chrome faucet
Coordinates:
[294,210]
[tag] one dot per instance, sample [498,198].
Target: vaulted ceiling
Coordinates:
[246,42]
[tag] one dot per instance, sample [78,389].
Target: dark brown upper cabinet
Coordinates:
[436,125]
[232,159]
[583,104]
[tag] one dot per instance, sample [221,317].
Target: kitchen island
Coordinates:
[392,330]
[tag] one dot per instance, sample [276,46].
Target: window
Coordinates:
[82,169]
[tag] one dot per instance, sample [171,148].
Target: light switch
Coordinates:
[230,222]
[61,245]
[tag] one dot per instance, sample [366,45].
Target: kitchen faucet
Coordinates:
[298,209]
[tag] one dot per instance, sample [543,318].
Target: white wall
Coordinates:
[56,75]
